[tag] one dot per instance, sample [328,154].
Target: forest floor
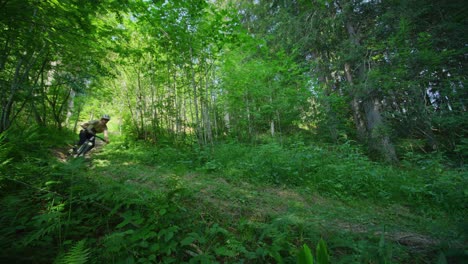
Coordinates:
[230,203]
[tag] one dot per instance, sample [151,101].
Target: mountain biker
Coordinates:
[92,128]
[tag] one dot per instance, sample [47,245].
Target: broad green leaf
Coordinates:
[322,253]
[304,256]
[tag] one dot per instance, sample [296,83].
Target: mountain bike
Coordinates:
[86,146]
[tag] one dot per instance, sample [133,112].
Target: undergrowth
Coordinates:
[133,205]
[343,172]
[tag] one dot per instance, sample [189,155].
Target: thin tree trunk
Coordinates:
[141,107]
[75,125]
[355,106]
[7,116]
[195,98]
[272,121]
[154,103]
[209,128]
[71,105]
[132,114]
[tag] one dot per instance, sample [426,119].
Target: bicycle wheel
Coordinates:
[81,151]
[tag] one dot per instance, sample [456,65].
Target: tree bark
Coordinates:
[195,98]
[379,141]
[370,126]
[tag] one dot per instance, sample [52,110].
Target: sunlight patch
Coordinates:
[101,163]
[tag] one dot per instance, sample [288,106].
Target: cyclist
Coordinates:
[92,128]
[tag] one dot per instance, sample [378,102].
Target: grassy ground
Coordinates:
[132,202]
[265,216]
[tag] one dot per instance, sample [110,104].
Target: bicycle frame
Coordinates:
[86,146]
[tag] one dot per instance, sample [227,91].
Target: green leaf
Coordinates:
[304,256]
[187,241]
[224,251]
[144,244]
[78,254]
[52,182]
[125,222]
[276,255]
[442,259]
[322,253]
[155,247]
[169,235]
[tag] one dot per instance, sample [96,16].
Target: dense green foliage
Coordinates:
[305,131]
[135,202]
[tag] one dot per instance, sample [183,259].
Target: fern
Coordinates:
[78,254]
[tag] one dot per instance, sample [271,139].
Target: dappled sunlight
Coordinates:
[101,163]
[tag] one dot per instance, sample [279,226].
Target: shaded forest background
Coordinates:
[389,76]
[272,92]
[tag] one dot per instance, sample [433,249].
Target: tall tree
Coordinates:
[358,52]
[167,68]
[49,48]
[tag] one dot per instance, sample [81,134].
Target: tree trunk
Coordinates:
[379,141]
[195,98]
[370,126]
[355,106]
[141,106]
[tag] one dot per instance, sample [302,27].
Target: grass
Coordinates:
[257,214]
[131,202]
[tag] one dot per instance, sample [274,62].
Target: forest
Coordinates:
[241,131]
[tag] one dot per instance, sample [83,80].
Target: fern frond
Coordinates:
[78,254]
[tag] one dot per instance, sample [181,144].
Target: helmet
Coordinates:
[107,117]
